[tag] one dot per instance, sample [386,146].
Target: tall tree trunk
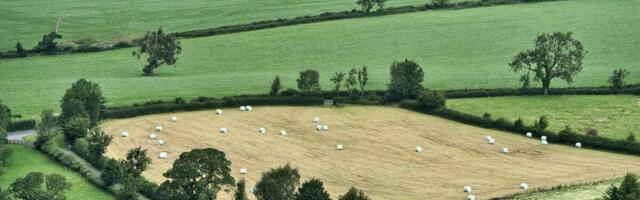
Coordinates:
[546,83]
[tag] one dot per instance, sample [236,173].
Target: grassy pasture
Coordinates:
[25,160]
[614,116]
[467,48]
[379,159]
[28,20]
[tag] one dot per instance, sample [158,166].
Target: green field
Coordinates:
[28,20]
[613,116]
[25,160]
[582,192]
[467,48]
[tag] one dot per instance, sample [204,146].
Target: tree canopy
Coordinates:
[160,48]
[406,80]
[278,184]
[312,190]
[309,81]
[83,99]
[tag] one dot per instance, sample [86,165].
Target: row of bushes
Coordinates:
[83,47]
[162,107]
[473,93]
[595,142]
[22,125]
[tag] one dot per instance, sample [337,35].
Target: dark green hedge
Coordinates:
[595,142]
[472,93]
[22,125]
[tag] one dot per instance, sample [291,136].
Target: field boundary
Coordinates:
[280,22]
[553,189]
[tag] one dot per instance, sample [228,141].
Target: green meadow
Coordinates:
[467,48]
[614,116]
[25,160]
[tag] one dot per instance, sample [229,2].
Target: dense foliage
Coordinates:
[354,194]
[30,187]
[83,99]
[160,49]
[312,190]
[278,184]
[629,189]
[406,81]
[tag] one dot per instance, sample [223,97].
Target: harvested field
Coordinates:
[379,151]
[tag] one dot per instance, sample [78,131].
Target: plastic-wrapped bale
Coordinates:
[492,141]
[529,134]
[319,127]
[544,142]
[174,118]
[262,130]
[578,144]
[160,142]
[124,134]
[249,108]
[543,138]
[242,108]
[223,130]
[471,197]
[487,138]
[219,112]
[504,150]
[283,132]
[467,189]
[162,155]
[339,147]
[316,120]
[418,149]
[243,170]
[325,128]
[159,128]
[524,186]
[152,136]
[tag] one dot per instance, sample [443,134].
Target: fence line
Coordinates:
[20,142]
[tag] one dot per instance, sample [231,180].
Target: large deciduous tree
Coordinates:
[30,187]
[555,55]
[136,162]
[83,99]
[312,190]
[198,174]
[160,49]
[98,142]
[366,5]
[617,79]
[406,81]
[278,184]
[309,81]
[354,194]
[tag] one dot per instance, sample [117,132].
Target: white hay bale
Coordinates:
[160,142]
[316,120]
[223,130]
[578,144]
[243,170]
[467,189]
[543,138]
[544,142]
[339,147]
[529,134]
[219,112]
[283,132]
[162,155]
[471,197]
[174,118]
[524,186]
[262,130]
[487,138]
[242,108]
[159,128]
[492,141]
[325,128]
[124,134]
[418,149]
[504,150]
[152,136]
[319,127]
[249,108]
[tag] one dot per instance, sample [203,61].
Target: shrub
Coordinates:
[617,79]
[541,124]
[240,193]
[278,184]
[113,173]
[5,116]
[518,125]
[81,147]
[592,131]
[179,100]
[406,81]
[76,128]
[629,189]
[354,194]
[631,138]
[486,115]
[312,190]
[3,136]
[431,100]
[276,86]
[22,125]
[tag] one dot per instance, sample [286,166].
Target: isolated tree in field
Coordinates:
[98,142]
[88,95]
[5,116]
[337,82]
[351,81]
[406,81]
[160,49]
[20,50]
[113,173]
[278,184]
[354,194]
[240,194]
[198,174]
[617,79]
[440,3]
[629,189]
[30,187]
[366,5]
[380,3]
[47,44]
[309,81]
[276,86]
[136,162]
[312,190]
[555,55]
[46,128]
[76,128]
[363,78]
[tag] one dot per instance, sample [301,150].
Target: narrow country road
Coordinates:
[19,135]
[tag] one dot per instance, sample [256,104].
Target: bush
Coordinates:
[541,124]
[113,173]
[81,147]
[278,184]
[592,131]
[22,125]
[518,125]
[431,100]
[312,190]
[354,194]
[76,128]
[406,81]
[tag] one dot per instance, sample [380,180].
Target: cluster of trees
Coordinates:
[367,5]
[37,186]
[629,189]
[309,82]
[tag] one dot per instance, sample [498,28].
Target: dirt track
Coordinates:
[378,155]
